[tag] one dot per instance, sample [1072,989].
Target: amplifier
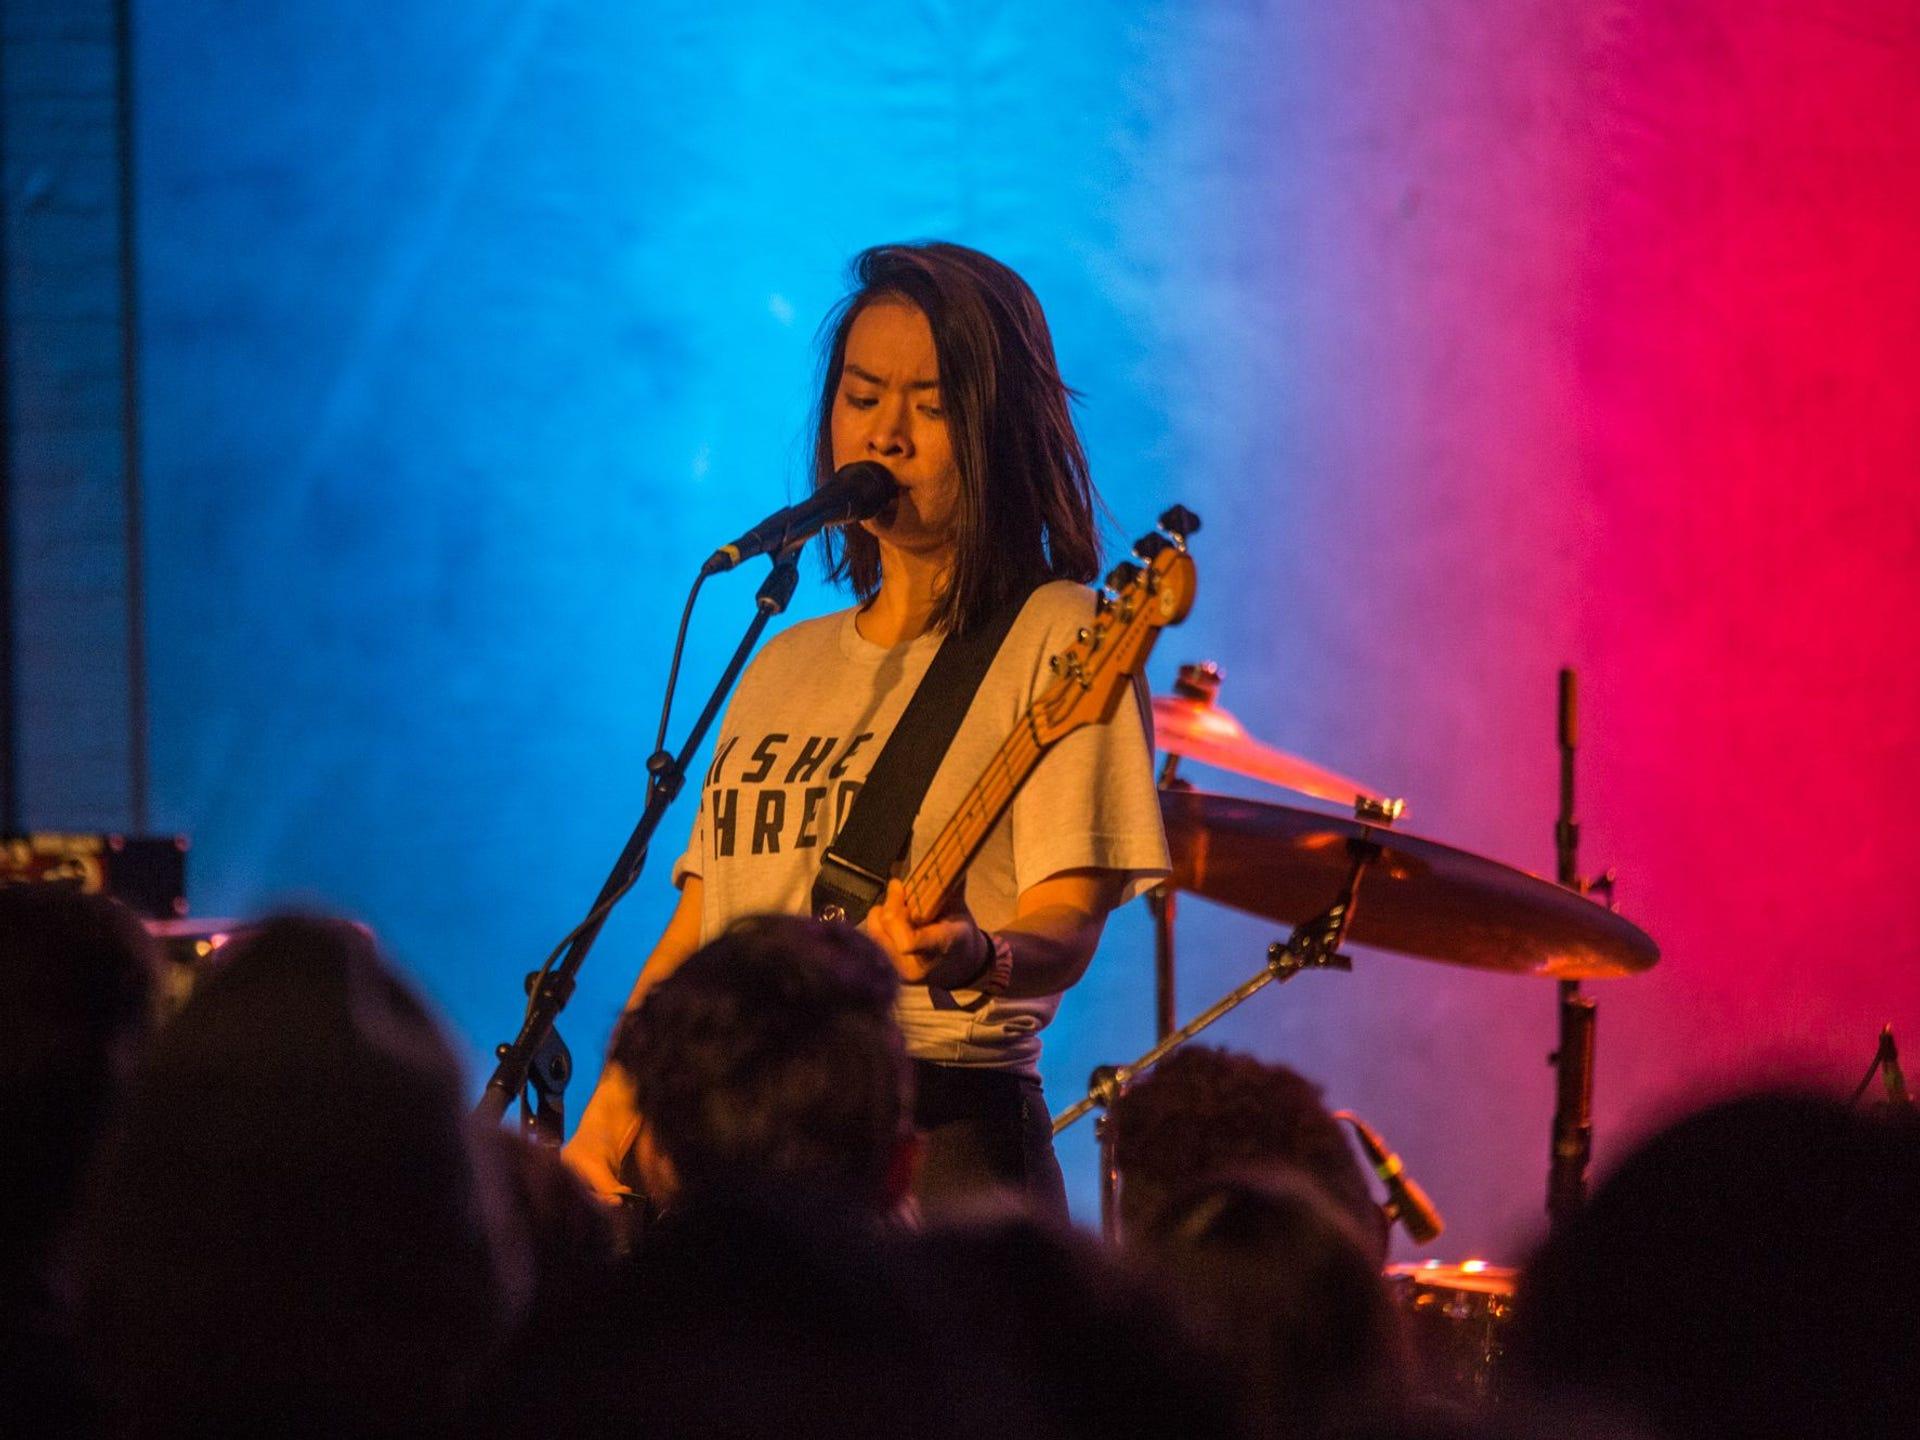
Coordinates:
[146,873]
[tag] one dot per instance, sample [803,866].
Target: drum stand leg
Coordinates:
[1313,945]
[1572,1105]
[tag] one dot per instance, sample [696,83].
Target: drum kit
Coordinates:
[1335,878]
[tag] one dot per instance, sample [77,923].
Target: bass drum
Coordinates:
[1457,1318]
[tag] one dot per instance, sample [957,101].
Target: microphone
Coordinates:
[1406,1201]
[856,492]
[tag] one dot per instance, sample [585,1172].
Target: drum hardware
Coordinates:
[1191,722]
[1162,905]
[1423,898]
[1886,1065]
[1457,1318]
[1378,812]
[1314,944]
[1407,1202]
[1572,1059]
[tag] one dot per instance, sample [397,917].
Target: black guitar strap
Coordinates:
[854,869]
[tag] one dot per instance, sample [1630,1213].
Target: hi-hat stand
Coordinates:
[1313,945]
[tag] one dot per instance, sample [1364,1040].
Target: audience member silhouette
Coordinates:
[293,1234]
[752,1313]
[1749,1272]
[77,998]
[1071,1325]
[1204,1112]
[1287,1290]
[771,1058]
[289,1228]
[572,1238]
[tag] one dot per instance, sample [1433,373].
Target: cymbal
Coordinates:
[1419,897]
[1211,734]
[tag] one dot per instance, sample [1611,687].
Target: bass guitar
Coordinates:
[1140,598]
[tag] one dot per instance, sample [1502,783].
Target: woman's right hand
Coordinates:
[601,1150]
[602,1145]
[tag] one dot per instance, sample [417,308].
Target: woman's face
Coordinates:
[887,408]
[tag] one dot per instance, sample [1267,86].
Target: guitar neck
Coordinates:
[940,870]
[1091,677]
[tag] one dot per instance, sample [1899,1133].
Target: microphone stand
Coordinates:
[1313,945]
[536,1057]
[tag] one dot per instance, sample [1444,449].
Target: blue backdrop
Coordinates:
[469,328]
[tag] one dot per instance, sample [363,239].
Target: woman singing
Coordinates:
[940,366]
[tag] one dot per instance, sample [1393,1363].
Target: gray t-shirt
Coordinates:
[809,716]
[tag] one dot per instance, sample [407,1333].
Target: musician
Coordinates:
[939,366]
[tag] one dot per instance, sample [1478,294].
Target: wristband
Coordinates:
[997,973]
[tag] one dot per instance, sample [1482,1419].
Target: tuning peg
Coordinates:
[1122,575]
[1180,522]
[1148,546]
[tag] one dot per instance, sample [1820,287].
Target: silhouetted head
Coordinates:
[771,1058]
[1204,1112]
[572,1238]
[291,1231]
[77,989]
[755,1313]
[77,982]
[1747,1272]
[1093,1345]
[1287,1289]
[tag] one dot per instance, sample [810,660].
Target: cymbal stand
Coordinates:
[1572,1061]
[1161,905]
[1313,945]
[1199,681]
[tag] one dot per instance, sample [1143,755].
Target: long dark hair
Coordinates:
[1025,511]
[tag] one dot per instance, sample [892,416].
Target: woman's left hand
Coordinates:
[944,953]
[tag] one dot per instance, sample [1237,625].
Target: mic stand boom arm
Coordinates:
[1313,945]
[551,987]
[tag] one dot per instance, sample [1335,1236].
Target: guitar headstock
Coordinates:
[1140,598]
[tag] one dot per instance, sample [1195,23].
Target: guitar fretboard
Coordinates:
[941,868]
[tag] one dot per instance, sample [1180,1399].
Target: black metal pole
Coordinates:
[550,995]
[1163,907]
[1573,1060]
[1313,945]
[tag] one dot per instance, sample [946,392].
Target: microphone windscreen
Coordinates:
[867,486]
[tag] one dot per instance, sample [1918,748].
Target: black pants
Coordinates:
[985,1132]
